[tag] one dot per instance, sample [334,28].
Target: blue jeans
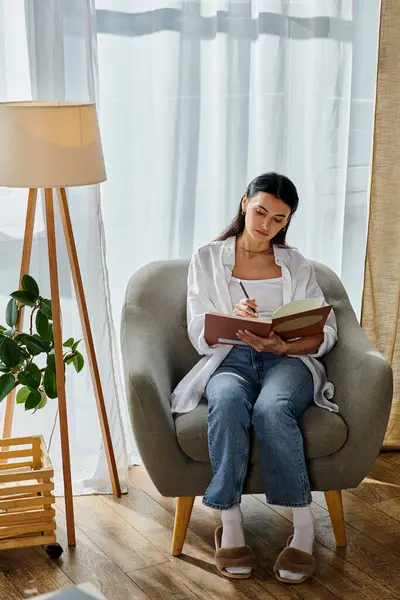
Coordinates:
[269,392]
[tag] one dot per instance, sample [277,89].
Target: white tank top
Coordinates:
[267,292]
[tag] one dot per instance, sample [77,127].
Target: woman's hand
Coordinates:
[243,309]
[273,343]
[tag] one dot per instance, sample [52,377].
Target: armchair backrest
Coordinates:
[159,289]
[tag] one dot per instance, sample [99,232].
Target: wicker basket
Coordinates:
[26,499]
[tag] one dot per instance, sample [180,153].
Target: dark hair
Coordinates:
[270,183]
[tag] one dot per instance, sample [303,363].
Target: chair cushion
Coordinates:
[323,432]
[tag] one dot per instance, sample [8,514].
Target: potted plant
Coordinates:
[28,359]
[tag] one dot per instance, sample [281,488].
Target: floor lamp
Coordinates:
[55,145]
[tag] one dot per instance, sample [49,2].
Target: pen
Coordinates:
[247,296]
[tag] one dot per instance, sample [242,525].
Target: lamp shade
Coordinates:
[50,145]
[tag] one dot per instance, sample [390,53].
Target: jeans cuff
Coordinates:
[290,504]
[220,506]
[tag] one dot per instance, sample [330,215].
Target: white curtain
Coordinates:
[198,97]
[195,98]
[51,55]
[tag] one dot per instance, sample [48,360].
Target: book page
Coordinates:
[298,323]
[298,306]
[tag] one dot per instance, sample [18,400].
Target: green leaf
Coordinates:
[31,377]
[51,362]
[42,325]
[24,353]
[69,360]
[50,383]
[43,401]
[69,343]
[24,298]
[9,352]
[45,308]
[11,313]
[33,344]
[33,400]
[7,383]
[30,286]
[22,395]
[46,344]
[74,346]
[2,328]
[78,362]
[4,369]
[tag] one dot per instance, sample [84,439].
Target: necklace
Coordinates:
[255,252]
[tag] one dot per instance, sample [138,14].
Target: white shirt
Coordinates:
[267,292]
[210,272]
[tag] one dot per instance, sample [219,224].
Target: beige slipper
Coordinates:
[295,561]
[226,558]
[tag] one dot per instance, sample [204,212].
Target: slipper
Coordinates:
[226,558]
[295,561]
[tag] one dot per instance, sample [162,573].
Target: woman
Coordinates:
[264,382]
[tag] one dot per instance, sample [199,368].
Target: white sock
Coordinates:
[233,533]
[303,538]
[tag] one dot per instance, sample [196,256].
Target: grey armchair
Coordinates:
[340,448]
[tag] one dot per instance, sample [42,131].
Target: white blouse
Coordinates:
[210,273]
[267,292]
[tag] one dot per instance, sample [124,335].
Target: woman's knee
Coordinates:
[272,409]
[226,394]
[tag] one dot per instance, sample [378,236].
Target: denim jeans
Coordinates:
[268,392]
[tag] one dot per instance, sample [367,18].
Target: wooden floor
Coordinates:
[123,548]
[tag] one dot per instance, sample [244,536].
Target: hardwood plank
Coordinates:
[86,562]
[7,589]
[160,584]
[371,521]
[380,471]
[203,522]
[390,507]
[140,478]
[32,572]
[382,483]
[392,457]
[335,571]
[127,534]
[125,546]
[365,554]
[249,587]
[195,567]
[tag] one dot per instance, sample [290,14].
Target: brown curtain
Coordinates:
[381,300]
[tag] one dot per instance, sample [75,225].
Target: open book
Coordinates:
[296,319]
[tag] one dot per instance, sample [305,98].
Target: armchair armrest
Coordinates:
[364,385]
[148,390]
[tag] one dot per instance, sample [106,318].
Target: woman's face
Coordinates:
[266,215]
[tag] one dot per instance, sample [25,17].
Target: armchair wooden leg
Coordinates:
[184,505]
[335,506]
